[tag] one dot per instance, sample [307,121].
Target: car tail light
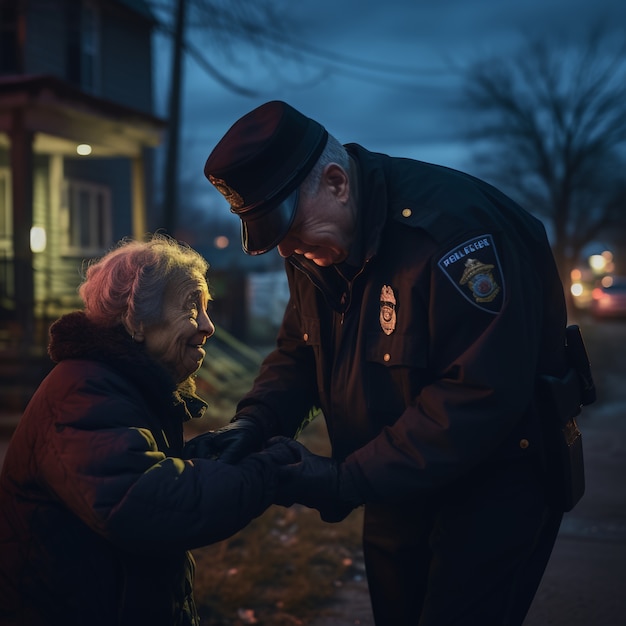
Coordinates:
[597,294]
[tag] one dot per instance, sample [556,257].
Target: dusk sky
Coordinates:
[386,74]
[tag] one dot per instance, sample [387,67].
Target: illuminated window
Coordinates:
[6,235]
[6,217]
[86,219]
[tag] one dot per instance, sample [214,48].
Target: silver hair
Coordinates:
[129,283]
[334,152]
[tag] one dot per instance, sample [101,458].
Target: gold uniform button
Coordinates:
[406,212]
[523,444]
[305,336]
[386,357]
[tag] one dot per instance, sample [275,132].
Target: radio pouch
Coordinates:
[561,400]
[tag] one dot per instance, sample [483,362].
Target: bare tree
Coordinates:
[550,123]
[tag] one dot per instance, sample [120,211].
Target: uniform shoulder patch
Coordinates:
[474,269]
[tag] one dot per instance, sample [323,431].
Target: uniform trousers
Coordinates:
[471,554]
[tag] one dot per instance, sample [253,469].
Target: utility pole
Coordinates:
[170,194]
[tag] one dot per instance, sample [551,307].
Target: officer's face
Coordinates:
[323,228]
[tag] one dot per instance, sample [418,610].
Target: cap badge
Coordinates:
[387,310]
[233,198]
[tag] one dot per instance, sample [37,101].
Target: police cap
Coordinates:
[258,167]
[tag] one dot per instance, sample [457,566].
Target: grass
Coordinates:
[283,567]
[278,571]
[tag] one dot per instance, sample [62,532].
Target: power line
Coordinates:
[278,43]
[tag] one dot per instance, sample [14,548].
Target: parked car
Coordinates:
[609,297]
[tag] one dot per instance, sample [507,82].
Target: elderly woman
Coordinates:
[99,503]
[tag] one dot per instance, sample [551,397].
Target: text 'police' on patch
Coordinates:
[474,269]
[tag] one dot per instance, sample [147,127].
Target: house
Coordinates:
[77,131]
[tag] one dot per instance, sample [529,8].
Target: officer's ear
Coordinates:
[337,181]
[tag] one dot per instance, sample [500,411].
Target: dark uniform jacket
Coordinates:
[97,507]
[424,359]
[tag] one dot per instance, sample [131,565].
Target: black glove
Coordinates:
[230,443]
[281,452]
[317,482]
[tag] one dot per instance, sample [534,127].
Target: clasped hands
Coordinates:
[315,481]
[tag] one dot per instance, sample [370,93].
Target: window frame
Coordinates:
[6,212]
[98,231]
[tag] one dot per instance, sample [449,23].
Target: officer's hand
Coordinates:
[315,481]
[229,444]
[281,451]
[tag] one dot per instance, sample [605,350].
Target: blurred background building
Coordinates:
[76,127]
[76,133]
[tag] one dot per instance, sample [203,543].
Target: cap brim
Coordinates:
[259,234]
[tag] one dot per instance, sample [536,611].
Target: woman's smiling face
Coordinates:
[176,342]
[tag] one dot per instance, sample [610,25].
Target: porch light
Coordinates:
[84,149]
[37,238]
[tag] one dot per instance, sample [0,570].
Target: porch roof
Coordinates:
[62,116]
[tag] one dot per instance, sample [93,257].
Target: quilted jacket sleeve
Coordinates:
[100,457]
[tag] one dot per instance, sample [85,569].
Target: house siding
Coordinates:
[127,74]
[46,35]
[124,66]
[123,76]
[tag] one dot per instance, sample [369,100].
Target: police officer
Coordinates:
[424,304]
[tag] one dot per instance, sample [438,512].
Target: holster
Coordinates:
[560,401]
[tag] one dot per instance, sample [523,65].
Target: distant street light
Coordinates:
[221,242]
[602,263]
[597,263]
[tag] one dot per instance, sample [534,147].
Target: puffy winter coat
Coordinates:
[98,507]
